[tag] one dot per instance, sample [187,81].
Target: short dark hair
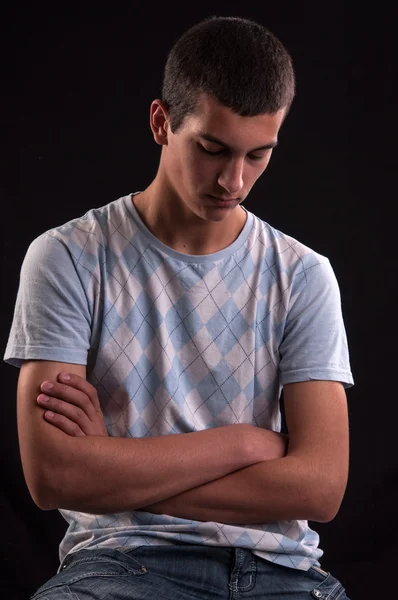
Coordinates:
[235,60]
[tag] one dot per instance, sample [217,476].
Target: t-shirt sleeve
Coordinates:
[314,344]
[52,318]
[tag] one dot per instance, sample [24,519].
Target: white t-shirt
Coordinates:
[176,343]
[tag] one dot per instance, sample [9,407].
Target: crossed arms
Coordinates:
[231,474]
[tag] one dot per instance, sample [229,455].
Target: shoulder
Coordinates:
[289,257]
[83,237]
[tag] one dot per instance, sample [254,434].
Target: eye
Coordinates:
[251,156]
[255,157]
[209,152]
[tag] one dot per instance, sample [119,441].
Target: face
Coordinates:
[216,157]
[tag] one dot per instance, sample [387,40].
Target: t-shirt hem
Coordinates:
[291,561]
[14,355]
[298,375]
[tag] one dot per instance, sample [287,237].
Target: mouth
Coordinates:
[223,202]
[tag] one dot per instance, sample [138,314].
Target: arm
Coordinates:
[101,474]
[308,483]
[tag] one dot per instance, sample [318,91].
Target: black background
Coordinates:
[77,84]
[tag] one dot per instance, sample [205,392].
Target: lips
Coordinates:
[223,199]
[223,203]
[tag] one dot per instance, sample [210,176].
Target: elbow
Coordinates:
[42,497]
[324,515]
[327,504]
[43,503]
[48,474]
[42,488]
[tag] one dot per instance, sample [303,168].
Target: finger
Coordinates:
[70,411]
[83,385]
[63,423]
[71,395]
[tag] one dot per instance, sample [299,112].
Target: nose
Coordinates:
[231,177]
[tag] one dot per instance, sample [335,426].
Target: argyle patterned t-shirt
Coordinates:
[176,343]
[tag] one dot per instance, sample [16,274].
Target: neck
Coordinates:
[170,220]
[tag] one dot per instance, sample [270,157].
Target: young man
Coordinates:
[179,316]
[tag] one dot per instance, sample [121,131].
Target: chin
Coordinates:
[216,215]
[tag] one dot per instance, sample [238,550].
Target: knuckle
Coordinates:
[79,413]
[63,389]
[55,403]
[85,400]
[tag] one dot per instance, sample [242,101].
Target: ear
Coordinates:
[159,122]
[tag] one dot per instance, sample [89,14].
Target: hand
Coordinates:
[73,406]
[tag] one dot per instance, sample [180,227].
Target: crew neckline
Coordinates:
[189,258]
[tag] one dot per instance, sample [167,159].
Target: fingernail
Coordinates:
[47,386]
[65,376]
[43,398]
[49,414]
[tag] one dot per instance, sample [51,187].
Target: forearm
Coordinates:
[266,492]
[104,474]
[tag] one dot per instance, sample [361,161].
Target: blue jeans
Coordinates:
[184,572]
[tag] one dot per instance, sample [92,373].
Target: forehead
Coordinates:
[220,121]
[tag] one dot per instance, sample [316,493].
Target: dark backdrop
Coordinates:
[77,87]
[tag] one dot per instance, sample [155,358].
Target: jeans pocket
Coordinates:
[105,562]
[55,593]
[326,587]
[321,571]
[86,564]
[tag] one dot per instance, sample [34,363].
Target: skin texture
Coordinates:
[308,483]
[102,474]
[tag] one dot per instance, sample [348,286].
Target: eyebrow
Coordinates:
[211,138]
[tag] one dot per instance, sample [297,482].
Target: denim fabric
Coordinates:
[184,572]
